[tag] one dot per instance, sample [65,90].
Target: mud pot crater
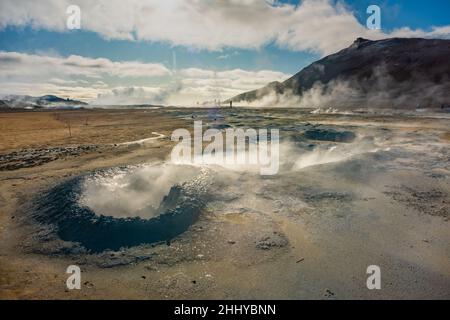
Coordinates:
[125,206]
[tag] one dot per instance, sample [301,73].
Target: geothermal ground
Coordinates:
[353,190]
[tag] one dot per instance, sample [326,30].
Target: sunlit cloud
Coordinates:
[102,81]
[320,26]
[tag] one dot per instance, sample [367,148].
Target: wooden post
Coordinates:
[70,131]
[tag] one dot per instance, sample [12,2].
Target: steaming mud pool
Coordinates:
[137,216]
[352,190]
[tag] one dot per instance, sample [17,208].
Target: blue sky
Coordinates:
[90,44]
[36,35]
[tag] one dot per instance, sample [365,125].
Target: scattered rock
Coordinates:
[27,158]
[433,202]
[328,195]
[275,240]
[328,293]
[151,268]
[329,135]
[111,260]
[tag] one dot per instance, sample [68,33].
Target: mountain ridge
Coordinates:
[388,72]
[29,102]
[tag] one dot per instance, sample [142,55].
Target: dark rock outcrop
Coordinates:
[397,72]
[329,135]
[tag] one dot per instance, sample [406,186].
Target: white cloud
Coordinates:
[73,76]
[228,55]
[85,93]
[14,64]
[201,85]
[102,81]
[234,74]
[322,26]
[130,95]
[436,32]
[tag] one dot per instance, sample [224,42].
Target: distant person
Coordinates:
[231,104]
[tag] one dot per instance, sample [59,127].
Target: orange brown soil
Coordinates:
[20,130]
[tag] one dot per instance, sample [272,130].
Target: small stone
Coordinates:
[151,268]
[329,293]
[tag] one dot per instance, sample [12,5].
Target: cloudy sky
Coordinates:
[181,52]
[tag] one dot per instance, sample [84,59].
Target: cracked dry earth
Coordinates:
[311,231]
